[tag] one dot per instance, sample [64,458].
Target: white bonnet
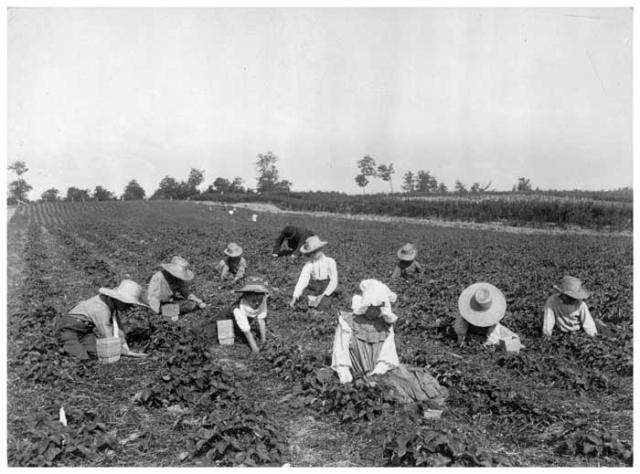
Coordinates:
[375,293]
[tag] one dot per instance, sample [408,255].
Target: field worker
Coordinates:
[170,285]
[481,307]
[294,237]
[93,318]
[407,265]
[319,276]
[364,340]
[567,310]
[233,266]
[248,313]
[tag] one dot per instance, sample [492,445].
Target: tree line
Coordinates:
[268,180]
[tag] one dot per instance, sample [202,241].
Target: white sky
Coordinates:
[102,96]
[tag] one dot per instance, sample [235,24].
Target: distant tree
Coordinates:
[169,188]
[385,172]
[76,194]
[409,182]
[268,175]
[362,181]
[133,191]
[475,188]
[102,194]
[50,195]
[19,188]
[523,185]
[367,167]
[425,182]
[221,185]
[283,185]
[236,185]
[194,180]
[442,188]
[460,188]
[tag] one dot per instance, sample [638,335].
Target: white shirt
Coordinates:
[556,313]
[242,314]
[321,269]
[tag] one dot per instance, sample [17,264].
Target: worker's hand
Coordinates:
[202,305]
[130,353]
[274,254]
[292,303]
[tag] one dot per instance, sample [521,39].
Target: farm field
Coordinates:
[563,401]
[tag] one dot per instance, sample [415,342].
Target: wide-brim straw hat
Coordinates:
[254,285]
[312,244]
[233,250]
[482,304]
[179,268]
[572,287]
[407,252]
[128,291]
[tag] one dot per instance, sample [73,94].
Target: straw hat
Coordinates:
[233,250]
[179,268]
[254,285]
[407,252]
[374,293]
[128,291]
[482,304]
[312,244]
[572,287]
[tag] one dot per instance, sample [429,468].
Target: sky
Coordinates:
[100,96]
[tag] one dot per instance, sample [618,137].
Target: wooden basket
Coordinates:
[225,332]
[171,310]
[108,348]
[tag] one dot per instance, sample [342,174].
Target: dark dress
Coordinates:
[294,237]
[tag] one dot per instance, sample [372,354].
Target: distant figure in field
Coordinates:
[248,313]
[319,276]
[567,310]
[170,286]
[407,265]
[481,307]
[93,318]
[294,237]
[233,266]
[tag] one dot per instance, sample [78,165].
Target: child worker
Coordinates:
[567,310]
[171,286]
[319,276]
[407,265]
[248,313]
[364,342]
[481,307]
[234,265]
[93,318]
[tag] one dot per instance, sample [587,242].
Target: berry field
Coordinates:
[563,401]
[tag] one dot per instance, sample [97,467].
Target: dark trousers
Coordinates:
[76,335]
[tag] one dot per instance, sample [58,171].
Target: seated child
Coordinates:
[481,306]
[319,276]
[566,309]
[407,265]
[234,265]
[248,313]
